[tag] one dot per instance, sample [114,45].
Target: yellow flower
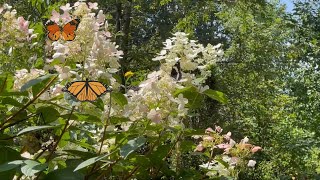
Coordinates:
[128,74]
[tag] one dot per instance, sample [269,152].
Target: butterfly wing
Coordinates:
[69,29]
[86,90]
[77,89]
[53,29]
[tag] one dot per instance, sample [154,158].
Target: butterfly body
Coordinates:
[67,33]
[86,90]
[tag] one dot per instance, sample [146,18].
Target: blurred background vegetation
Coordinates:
[270,72]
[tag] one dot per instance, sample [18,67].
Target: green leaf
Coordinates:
[64,174]
[32,167]
[82,154]
[10,165]
[35,128]
[35,81]
[131,146]
[83,117]
[117,120]
[99,104]
[40,86]
[216,95]
[11,101]
[49,113]
[119,98]
[186,89]
[8,154]
[195,99]
[90,161]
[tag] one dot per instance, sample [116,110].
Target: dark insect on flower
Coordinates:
[176,71]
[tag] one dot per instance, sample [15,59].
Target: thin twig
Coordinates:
[25,106]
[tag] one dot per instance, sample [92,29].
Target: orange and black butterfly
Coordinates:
[86,90]
[55,32]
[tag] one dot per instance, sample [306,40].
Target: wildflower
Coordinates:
[251,163]
[199,148]
[154,116]
[218,129]
[66,8]
[55,16]
[209,130]
[255,149]
[128,74]
[93,5]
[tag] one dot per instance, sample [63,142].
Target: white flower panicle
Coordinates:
[191,55]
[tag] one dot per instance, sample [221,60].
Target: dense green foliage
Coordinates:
[265,87]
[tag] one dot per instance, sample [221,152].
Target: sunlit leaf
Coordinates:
[131,146]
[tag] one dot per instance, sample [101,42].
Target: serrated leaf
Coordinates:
[119,98]
[216,95]
[10,165]
[131,146]
[35,128]
[35,81]
[90,161]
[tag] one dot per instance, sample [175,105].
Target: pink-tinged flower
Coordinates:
[23,24]
[154,116]
[66,8]
[218,129]
[223,146]
[227,136]
[101,17]
[65,17]
[93,5]
[251,163]
[208,138]
[209,130]
[55,16]
[234,161]
[199,148]
[255,149]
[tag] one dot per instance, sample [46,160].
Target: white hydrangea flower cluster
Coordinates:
[191,55]
[155,101]
[96,55]
[13,27]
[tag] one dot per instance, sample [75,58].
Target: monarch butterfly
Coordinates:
[86,90]
[67,33]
